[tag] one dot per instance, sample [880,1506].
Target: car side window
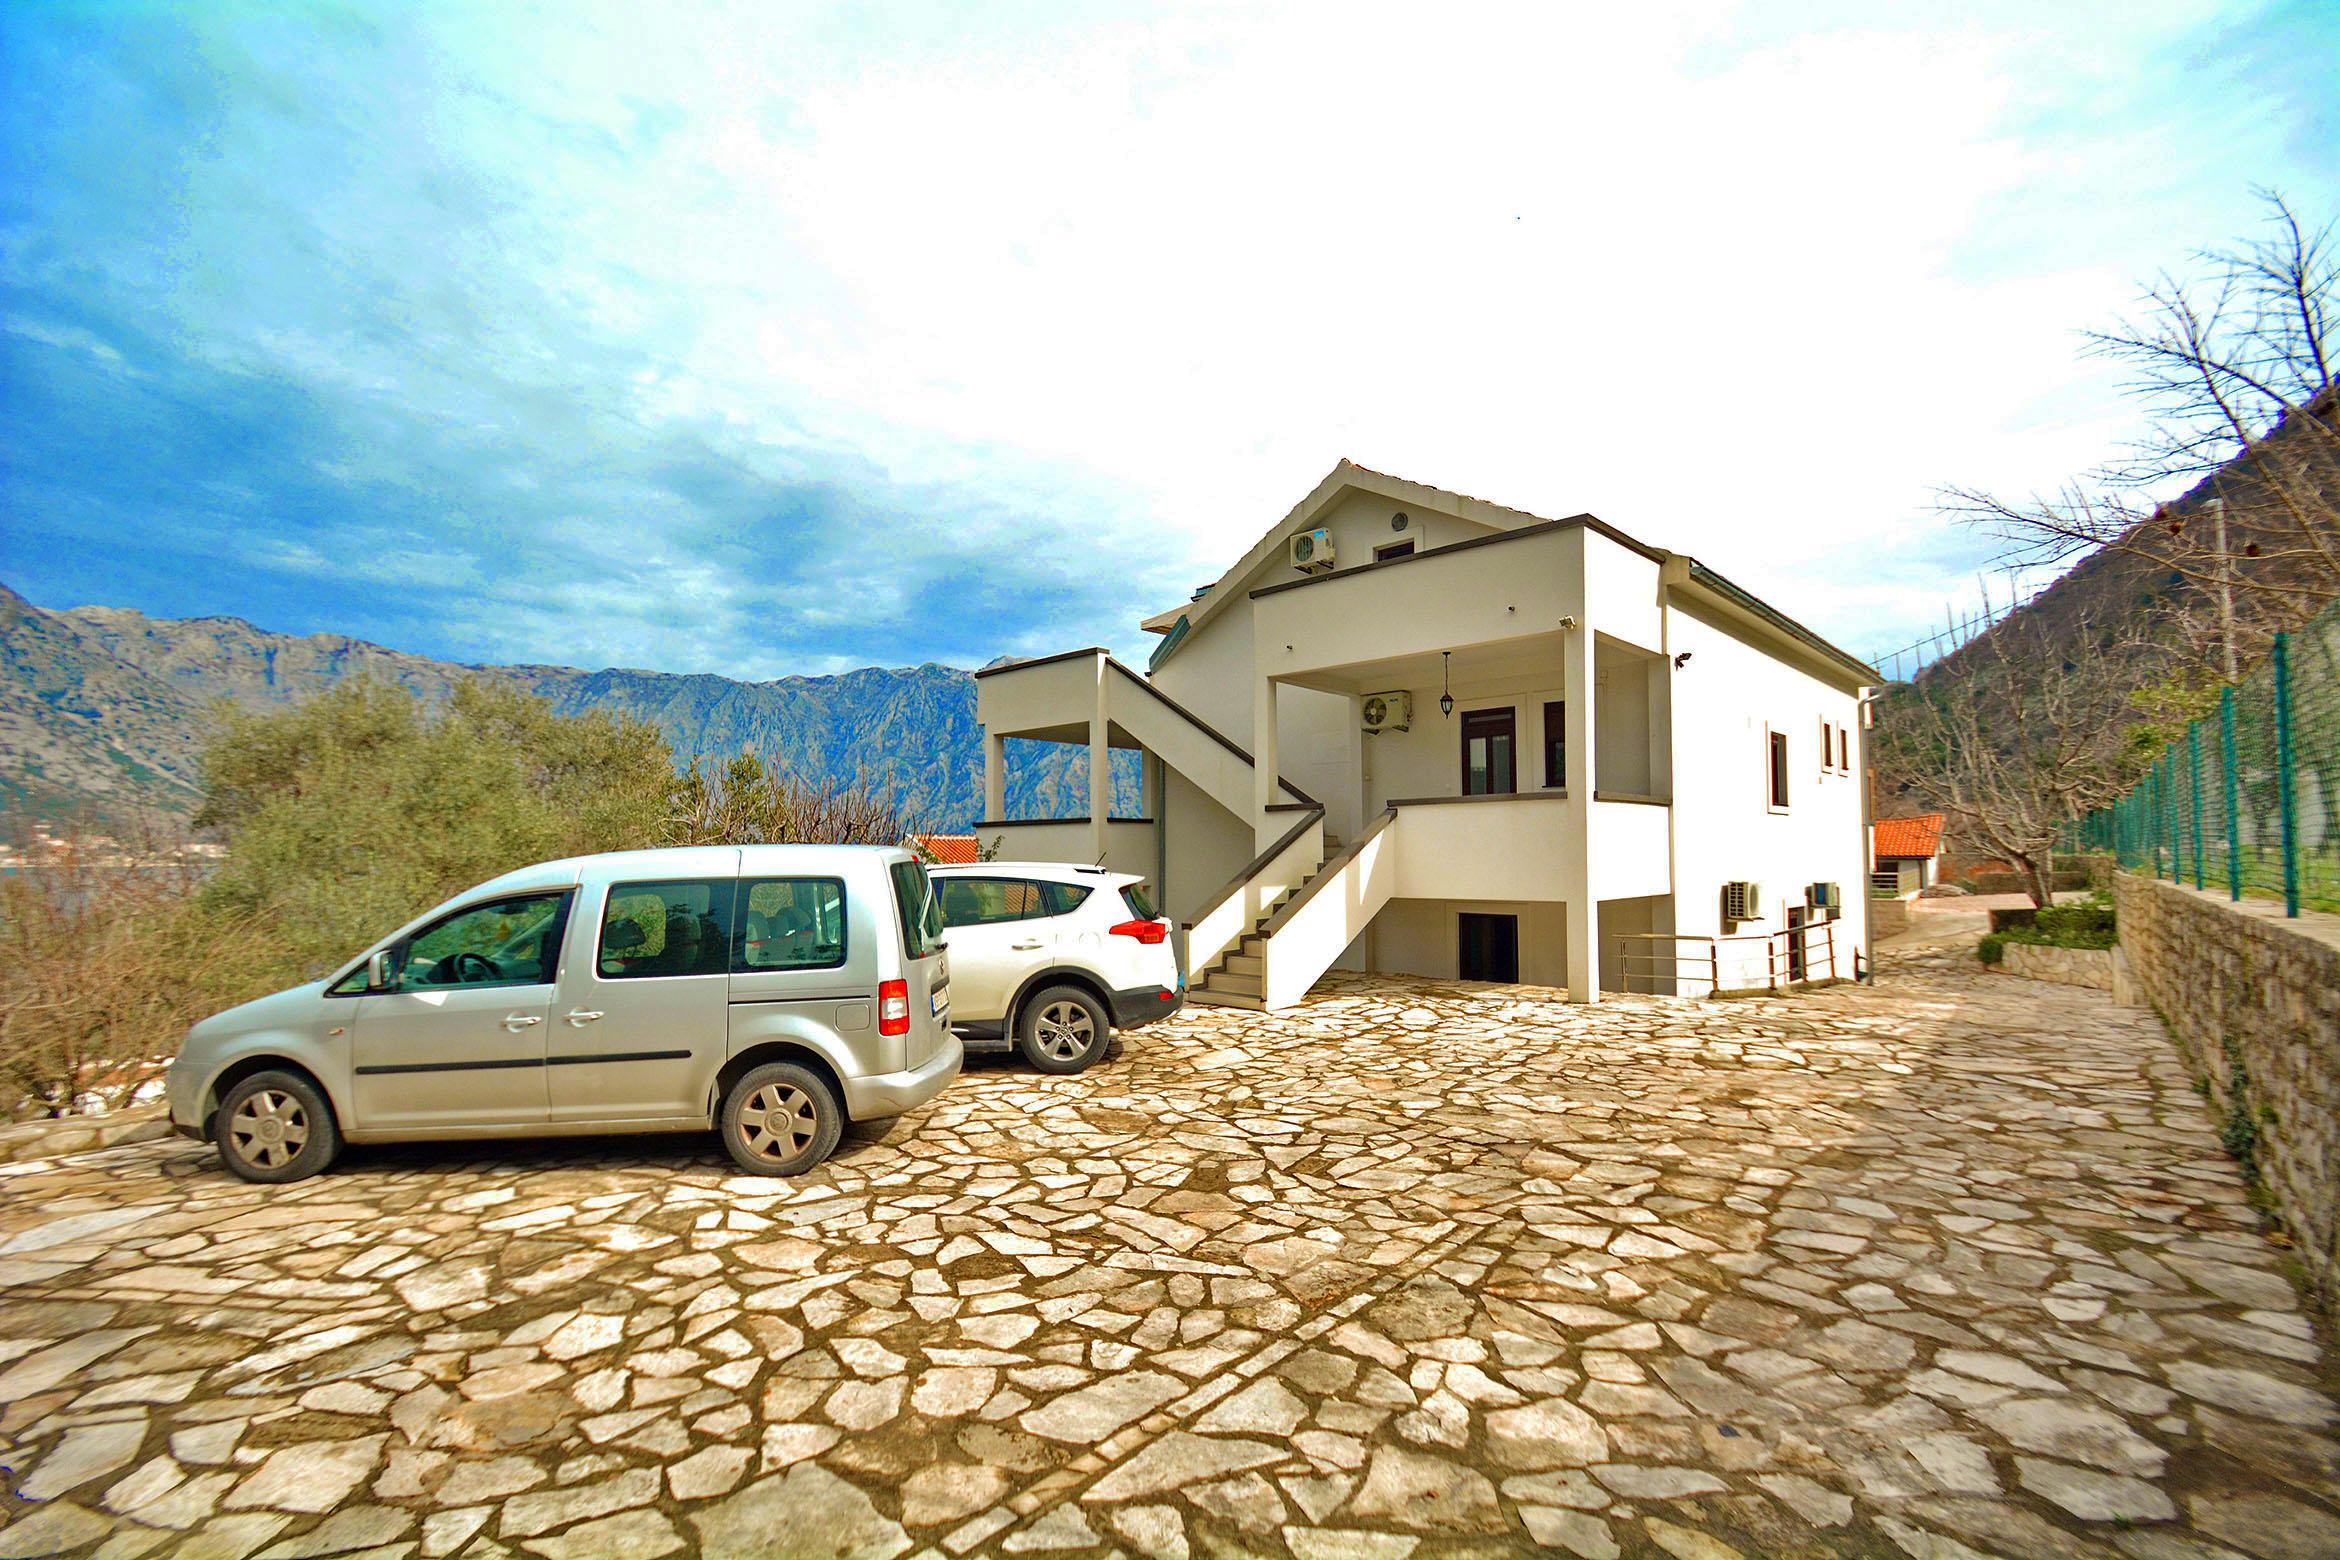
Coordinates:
[505,942]
[981,901]
[1062,898]
[790,924]
[673,926]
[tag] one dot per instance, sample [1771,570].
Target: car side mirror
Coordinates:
[382,971]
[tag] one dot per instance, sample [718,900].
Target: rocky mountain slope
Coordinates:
[107,709]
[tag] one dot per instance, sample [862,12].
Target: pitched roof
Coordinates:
[1904,839]
[948,850]
[1494,518]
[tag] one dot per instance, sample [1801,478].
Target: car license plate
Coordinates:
[939,1001]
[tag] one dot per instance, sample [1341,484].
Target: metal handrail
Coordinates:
[1782,957]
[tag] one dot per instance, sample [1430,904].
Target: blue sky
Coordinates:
[758,340]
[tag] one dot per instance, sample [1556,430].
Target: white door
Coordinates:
[998,931]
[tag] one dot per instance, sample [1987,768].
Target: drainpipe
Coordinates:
[1867,953]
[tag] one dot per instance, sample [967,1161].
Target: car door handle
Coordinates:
[516,1022]
[1027,947]
[582,1017]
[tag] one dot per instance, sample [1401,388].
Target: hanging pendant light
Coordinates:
[1446,684]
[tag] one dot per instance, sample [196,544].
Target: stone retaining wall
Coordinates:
[2254,1001]
[2067,966]
[79,1134]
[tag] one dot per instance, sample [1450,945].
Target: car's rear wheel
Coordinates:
[1063,1030]
[781,1119]
[274,1127]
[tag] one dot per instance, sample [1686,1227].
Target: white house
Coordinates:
[1412,731]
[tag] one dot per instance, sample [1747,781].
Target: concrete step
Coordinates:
[1226,999]
[1226,982]
[1242,964]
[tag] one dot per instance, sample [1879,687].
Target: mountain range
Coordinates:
[105,711]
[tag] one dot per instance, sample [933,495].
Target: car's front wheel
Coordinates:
[276,1126]
[781,1119]
[1063,1030]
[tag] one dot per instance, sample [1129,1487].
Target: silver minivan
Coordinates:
[773,992]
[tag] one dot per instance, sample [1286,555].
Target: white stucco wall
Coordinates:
[1723,701]
[1419,937]
[1208,846]
[1427,760]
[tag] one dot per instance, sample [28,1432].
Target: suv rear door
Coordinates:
[1001,930]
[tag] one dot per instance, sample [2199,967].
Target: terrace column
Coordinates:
[1100,772]
[1263,761]
[994,778]
[1584,910]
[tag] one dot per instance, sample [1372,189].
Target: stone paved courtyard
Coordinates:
[1948,1267]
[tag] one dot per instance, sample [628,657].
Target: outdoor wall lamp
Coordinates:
[1446,683]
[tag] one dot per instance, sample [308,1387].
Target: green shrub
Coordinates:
[2085,923]
[1992,949]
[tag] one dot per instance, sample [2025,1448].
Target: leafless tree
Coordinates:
[751,802]
[2233,368]
[2018,735]
[104,960]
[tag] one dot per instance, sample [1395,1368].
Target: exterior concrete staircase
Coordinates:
[1238,976]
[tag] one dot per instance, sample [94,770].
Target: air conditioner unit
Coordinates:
[1742,901]
[1389,712]
[1825,896]
[1312,551]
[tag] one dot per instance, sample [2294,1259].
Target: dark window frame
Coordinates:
[922,929]
[1555,744]
[1389,550]
[1775,769]
[555,934]
[739,938]
[1039,910]
[726,928]
[1491,924]
[1505,716]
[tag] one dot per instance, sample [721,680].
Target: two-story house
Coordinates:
[1415,732]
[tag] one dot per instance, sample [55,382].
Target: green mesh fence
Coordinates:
[2248,802]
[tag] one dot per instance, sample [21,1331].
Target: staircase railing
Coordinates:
[1273,873]
[1217,736]
[1317,924]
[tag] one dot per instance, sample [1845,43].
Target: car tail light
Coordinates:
[1147,932]
[894,1007]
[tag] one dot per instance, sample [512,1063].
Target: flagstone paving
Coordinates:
[1948,1267]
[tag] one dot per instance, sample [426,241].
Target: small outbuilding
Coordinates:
[1906,853]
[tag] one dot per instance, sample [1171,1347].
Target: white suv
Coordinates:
[1057,956]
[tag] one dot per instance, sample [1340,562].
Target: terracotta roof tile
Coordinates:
[949,850]
[1908,838]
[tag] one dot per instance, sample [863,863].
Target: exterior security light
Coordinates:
[1446,684]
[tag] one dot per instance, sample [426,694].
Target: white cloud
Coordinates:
[1707,284]
[1013,292]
